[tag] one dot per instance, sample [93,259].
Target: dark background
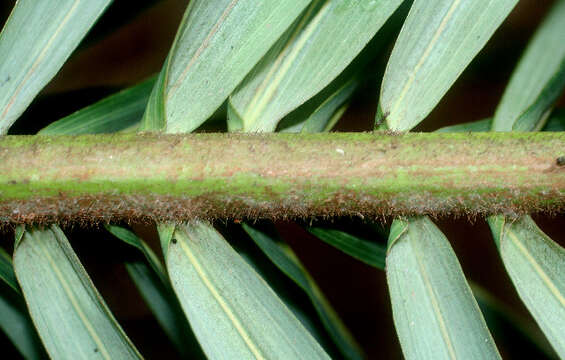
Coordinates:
[130,42]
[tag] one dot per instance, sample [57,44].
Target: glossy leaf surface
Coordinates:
[36,40]
[539,78]
[232,311]
[536,265]
[75,322]
[285,259]
[434,311]
[368,252]
[113,113]
[437,42]
[14,318]
[217,44]
[306,59]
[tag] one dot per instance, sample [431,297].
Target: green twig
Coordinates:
[177,177]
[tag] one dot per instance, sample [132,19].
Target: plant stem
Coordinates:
[178,177]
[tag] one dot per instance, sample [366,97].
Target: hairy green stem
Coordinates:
[178,177]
